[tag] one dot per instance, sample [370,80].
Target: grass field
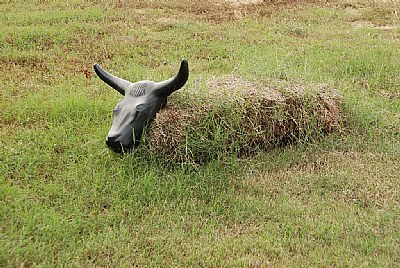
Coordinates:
[67,200]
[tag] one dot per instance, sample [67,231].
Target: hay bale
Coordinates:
[231,115]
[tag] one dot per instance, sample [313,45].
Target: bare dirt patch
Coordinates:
[212,10]
[237,3]
[369,25]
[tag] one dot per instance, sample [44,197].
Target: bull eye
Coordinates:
[140,107]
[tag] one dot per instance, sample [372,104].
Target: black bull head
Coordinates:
[138,108]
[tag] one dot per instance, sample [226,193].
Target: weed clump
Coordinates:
[232,115]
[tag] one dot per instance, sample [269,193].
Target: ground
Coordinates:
[66,199]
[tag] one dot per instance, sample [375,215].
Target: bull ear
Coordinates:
[166,88]
[116,83]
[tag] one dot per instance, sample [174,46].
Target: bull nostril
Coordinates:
[114,144]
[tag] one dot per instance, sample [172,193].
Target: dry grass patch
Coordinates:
[333,172]
[374,15]
[238,116]
[213,10]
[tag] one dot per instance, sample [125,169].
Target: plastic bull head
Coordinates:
[138,108]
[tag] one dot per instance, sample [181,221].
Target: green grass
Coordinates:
[65,199]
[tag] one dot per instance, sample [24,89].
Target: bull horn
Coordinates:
[166,88]
[116,83]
